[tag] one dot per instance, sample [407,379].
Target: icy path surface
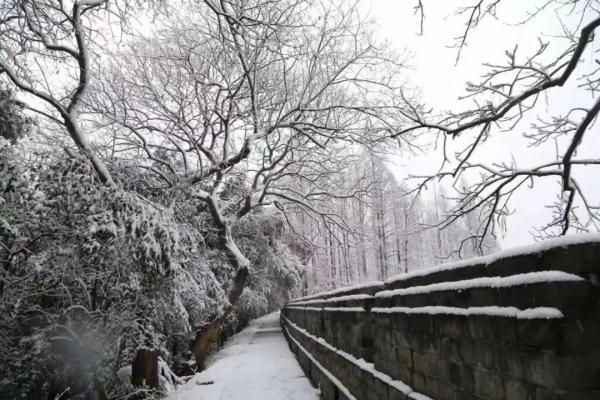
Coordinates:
[255,364]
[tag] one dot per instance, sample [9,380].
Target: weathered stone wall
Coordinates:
[447,334]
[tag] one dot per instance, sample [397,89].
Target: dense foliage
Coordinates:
[13,124]
[90,273]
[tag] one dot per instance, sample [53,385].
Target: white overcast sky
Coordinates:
[442,82]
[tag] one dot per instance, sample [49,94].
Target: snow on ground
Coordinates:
[255,364]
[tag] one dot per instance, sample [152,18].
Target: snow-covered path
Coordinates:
[255,364]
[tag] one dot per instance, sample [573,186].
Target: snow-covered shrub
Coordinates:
[91,273]
[275,275]
[13,124]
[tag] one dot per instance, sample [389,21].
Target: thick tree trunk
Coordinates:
[203,342]
[207,337]
[144,371]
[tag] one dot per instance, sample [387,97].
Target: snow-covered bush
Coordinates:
[276,269]
[86,267]
[91,273]
[13,124]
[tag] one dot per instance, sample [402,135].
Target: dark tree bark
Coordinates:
[144,371]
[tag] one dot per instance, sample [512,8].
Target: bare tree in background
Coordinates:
[261,99]
[507,94]
[389,232]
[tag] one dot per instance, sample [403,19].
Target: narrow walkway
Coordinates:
[255,364]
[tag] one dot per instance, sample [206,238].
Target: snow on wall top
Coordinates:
[331,299]
[339,290]
[549,244]
[491,311]
[492,282]
[562,241]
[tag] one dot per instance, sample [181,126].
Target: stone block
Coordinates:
[398,301]
[467,395]
[457,274]
[467,378]
[482,297]
[449,372]
[418,382]
[516,390]
[404,357]
[425,364]
[492,329]
[401,337]
[303,361]
[315,375]
[368,385]
[581,259]
[421,323]
[404,375]
[448,347]
[478,354]
[423,343]
[395,394]
[382,320]
[400,321]
[578,335]
[572,298]
[382,362]
[549,394]
[342,396]
[585,395]
[384,302]
[451,326]
[541,368]
[439,390]
[382,339]
[518,264]
[355,375]
[539,333]
[488,384]
[579,372]
[511,363]
[380,390]
[328,390]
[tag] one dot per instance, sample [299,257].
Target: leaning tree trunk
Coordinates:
[208,335]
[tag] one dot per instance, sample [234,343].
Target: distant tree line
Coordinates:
[387,232]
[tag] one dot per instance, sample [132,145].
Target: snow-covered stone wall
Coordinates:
[520,324]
